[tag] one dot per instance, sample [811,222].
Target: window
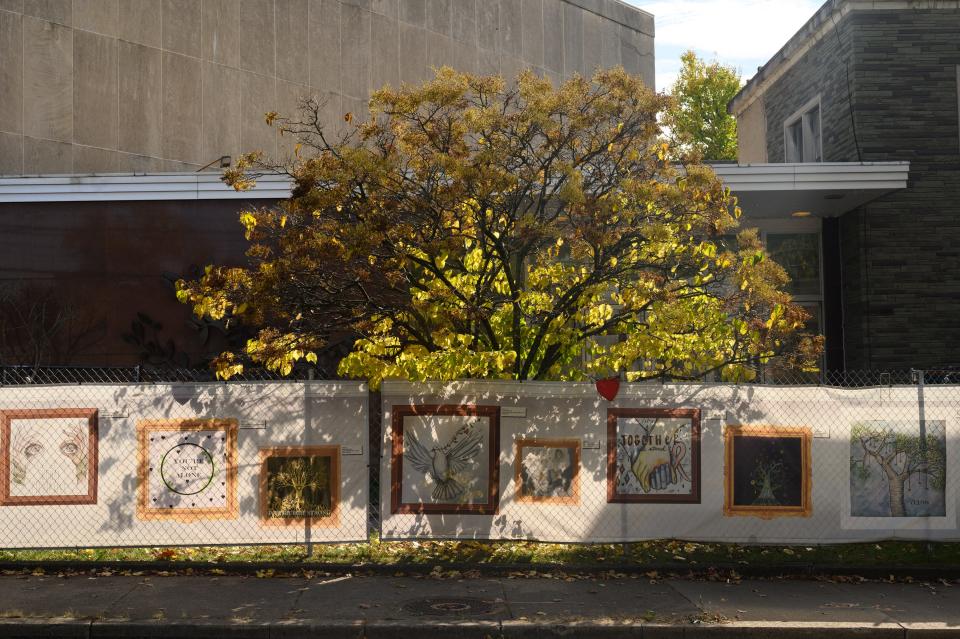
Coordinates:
[801,134]
[799,255]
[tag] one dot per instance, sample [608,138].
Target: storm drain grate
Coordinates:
[441,606]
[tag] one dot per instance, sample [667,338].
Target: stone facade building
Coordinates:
[868,82]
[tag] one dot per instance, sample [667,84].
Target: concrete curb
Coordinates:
[798,570]
[164,629]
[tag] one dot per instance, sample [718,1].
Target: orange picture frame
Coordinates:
[569,500]
[7,416]
[805,435]
[147,512]
[333,452]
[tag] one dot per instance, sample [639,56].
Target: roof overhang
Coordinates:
[764,190]
[111,187]
[824,189]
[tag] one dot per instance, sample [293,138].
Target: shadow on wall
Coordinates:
[42,325]
[292,417]
[867,475]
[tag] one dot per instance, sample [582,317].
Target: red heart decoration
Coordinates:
[608,387]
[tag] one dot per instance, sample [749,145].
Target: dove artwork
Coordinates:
[443,464]
[445,459]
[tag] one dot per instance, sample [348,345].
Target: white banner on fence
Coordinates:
[753,464]
[181,464]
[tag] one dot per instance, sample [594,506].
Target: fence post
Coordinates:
[307,531]
[923,420]
[375,417]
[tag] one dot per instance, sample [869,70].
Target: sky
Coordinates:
[741,33]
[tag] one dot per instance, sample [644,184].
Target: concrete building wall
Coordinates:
[167,85]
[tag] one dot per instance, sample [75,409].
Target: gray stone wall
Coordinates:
[168,85]
[821,71]
[901,253]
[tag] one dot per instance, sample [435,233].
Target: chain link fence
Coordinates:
[173,461]
[110,457]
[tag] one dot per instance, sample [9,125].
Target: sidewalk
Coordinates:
[335,607]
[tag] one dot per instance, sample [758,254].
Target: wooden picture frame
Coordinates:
[145,508]
[731,508]
[266,454]
[6,466]
[573,498]
[399,413]
[616,497]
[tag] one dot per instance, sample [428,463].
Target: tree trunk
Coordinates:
[766,496]
[895,483]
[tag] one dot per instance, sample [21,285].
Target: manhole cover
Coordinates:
[450,606]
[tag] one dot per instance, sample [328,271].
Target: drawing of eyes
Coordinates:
[74,448]
[69,449]
[32,449]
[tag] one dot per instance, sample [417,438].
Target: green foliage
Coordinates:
[699,117]
[473,229]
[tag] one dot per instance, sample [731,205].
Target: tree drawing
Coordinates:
[303,479]
[767,478]
[900,456]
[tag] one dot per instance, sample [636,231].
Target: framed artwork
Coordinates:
[898,469]
[548,471]
[767,471]
[299,484]
[187,469]
[653,455]
[445,459]
[48,457]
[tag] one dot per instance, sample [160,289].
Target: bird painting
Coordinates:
[443,463]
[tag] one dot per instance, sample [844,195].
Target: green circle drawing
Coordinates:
[205,452]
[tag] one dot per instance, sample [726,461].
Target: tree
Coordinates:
[699,117]
[767,480]
[473,229]
[42,325]
[899,456]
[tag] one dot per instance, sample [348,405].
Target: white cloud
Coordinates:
[733,29]
[743,33]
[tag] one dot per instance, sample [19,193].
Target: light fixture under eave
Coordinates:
[801,214]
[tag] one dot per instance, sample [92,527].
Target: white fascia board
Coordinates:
[208,186]
[133,187]
[838,176]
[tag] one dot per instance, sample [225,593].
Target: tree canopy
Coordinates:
[473,228]
[699,117]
